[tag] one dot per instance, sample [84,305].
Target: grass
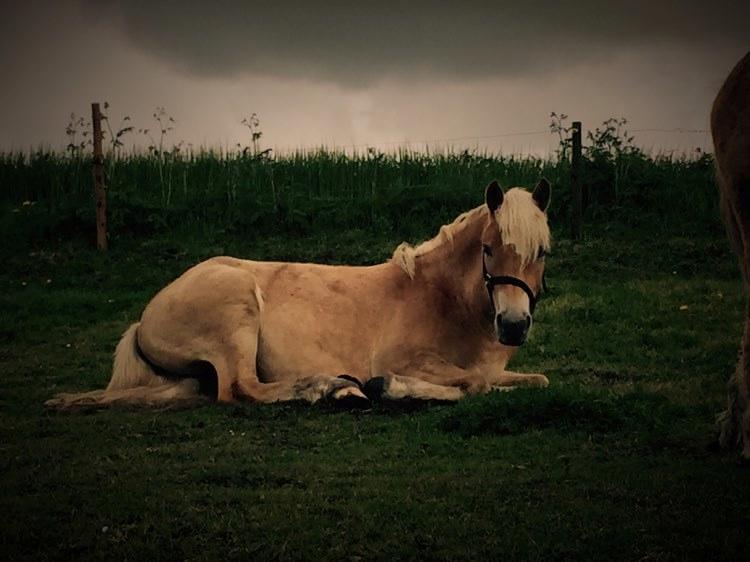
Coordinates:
[44,196]
[638,334]
[610,461]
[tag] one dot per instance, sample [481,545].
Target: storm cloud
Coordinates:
[378,73]
[358,43]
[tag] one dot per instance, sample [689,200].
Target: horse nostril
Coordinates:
[499,320]
[512,329]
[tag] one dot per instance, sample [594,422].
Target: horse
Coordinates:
[730,128]
[438,321]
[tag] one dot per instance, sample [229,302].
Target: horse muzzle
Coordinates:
[512,330]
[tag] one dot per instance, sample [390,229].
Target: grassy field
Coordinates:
[637,335]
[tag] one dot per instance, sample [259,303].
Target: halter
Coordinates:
[491,280]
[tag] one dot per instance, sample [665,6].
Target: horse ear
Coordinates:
[542,193]
[493,196]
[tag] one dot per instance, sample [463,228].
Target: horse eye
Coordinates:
[541,253]
[487,250]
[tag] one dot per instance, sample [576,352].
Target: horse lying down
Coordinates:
[436,322]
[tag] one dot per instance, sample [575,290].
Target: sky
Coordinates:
[346,74]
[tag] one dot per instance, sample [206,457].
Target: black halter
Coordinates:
[491,280]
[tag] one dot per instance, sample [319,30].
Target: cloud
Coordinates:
[327,73]
[357,44]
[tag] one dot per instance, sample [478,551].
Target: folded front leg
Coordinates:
[399,387]
[510,379]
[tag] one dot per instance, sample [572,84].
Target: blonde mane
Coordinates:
[521,223]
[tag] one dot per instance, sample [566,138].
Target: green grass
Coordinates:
[608,462]
[638,335]
[46,196]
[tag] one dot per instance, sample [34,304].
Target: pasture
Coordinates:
[637,334]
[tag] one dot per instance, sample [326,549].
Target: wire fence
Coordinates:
[451,139]
[514,134]
[677,130]
[300,191]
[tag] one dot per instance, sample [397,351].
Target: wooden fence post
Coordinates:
[576,219]
[100,195]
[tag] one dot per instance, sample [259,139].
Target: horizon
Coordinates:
[695,143]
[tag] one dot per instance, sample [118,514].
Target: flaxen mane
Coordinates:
[521,222]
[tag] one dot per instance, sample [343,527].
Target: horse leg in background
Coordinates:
[735,203]
[738,411]
[734,423]
[743,393]
[739,386]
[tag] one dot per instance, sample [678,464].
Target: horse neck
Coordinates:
[456,265]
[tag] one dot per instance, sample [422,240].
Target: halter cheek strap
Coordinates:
[491,280]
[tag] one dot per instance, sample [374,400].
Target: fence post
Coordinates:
[576,222]
[100,195]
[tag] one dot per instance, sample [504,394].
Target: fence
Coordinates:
[49,195]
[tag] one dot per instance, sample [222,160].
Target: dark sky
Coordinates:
[351,73]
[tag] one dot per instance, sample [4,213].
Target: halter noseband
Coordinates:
[491,280]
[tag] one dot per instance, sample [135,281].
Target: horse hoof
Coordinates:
[53,403]
[540,381]
[375,388]
[350,398]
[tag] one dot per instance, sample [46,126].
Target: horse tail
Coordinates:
[133,383]
[129,370]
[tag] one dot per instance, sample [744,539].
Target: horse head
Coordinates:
[515,240]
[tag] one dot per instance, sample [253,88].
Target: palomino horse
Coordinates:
[437,321]
[730,126]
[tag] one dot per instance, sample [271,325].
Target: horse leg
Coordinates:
[133,383]
[431,368]
[237,374]
[171,394]
[437,380]
[739,395]
[742,374]
[735,422]
[237,378]
[340,391]
[510,379]
[427,377]
[399,387]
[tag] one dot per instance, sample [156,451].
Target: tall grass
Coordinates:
[47,195]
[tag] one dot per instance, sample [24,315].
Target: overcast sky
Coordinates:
[343,73]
